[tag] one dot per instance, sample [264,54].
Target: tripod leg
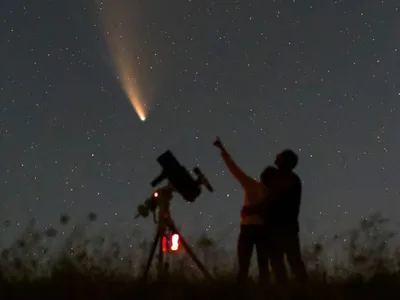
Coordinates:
[151,254]
[160,262]
[193,256]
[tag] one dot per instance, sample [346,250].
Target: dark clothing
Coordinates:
[283,228]
[251,236]
[280,214]
[286,243]
[283,211]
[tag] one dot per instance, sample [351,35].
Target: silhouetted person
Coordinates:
[283,219]
[252,233]
[280,214]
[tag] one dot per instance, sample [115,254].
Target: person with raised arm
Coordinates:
[252,232]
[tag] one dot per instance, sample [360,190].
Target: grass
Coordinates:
[82,268]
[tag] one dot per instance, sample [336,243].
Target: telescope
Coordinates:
[178,180]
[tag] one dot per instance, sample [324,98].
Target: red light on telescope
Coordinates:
[175,242]
[164,244]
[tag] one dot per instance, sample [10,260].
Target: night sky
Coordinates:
[320,77]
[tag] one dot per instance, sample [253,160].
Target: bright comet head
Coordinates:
[133,94]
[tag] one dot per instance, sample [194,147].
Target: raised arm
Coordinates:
[235,170]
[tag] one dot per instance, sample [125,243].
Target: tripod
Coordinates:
[165,224]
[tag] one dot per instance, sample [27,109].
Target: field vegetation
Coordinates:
[96,267]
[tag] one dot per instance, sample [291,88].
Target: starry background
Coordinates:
[319,76]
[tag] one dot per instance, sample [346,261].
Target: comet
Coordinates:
[122,55]
[129,85]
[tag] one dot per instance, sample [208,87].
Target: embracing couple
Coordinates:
[269,218]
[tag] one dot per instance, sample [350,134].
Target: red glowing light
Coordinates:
[164,244]
[155,194]
[175,242]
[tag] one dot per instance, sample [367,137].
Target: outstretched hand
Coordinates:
[217,143]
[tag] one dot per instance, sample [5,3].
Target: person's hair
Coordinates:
[289,159]
[267,175]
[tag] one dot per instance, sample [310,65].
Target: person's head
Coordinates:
[286,160]
[268,175]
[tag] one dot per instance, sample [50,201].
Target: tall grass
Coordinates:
[90,266]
